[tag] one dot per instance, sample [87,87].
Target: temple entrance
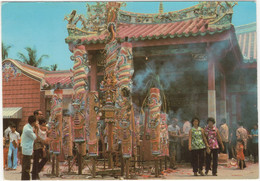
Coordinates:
[181,79]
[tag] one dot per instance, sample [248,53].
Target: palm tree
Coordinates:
[54,67]
[45,68]
[31,59]
[5,49]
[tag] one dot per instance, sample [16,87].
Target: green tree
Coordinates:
[54,67]
[31,59]
[5,49]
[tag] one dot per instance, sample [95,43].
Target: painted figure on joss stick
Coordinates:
[55,124]
[80,70]
[164,136]
[154,119]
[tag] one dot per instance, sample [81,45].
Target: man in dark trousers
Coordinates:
[38,150]
[28,137]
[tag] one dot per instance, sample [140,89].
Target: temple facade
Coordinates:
[203,65]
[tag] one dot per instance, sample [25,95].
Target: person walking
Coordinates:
[214,141]
[174,133]
[224,133]
[14,138]
[254,136]
[6,143]
[197,145]
[28,137]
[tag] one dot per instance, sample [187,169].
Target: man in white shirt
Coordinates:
[224,133]
[28,137]
[14,138]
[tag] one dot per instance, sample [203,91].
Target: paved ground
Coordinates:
[230,171]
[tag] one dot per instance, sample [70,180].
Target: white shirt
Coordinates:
[223,130]
[28,137]
[42,134]
[175,131]
[7,131]
[186,127]
[14,136]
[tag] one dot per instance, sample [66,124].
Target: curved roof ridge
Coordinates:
[24,70]
[30,66]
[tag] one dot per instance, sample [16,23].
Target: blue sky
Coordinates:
[40,25]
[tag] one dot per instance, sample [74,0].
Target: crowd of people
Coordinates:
[201,145]
[33,143]
[188,142]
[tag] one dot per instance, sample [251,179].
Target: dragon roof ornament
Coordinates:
[213,10]
[219,14]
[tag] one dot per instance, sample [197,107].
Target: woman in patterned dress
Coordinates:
[214,141]
[197,145]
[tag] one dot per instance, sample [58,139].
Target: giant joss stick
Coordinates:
[108,86]
[154,124]
[56,127]
[92,139]
[125,111]
[80,86]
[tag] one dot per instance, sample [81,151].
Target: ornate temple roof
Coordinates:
[246,35]
[199,20]
[48,79]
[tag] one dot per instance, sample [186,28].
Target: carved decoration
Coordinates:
[56,122]
[10,71]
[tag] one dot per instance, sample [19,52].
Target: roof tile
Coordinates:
[150,31]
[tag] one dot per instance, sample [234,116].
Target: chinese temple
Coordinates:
[200,40]
[132,69]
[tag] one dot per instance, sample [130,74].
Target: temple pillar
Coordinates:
[93,75]
[211,89]
[223,100]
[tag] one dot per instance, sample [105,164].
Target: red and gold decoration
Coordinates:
[125,111]
[154,120]
[56,122]
[80,86]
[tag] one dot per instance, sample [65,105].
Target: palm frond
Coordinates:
[39,61]
[5,49]
[54,67]
[45,68]
[23,58]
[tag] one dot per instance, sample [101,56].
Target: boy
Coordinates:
[14,138]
